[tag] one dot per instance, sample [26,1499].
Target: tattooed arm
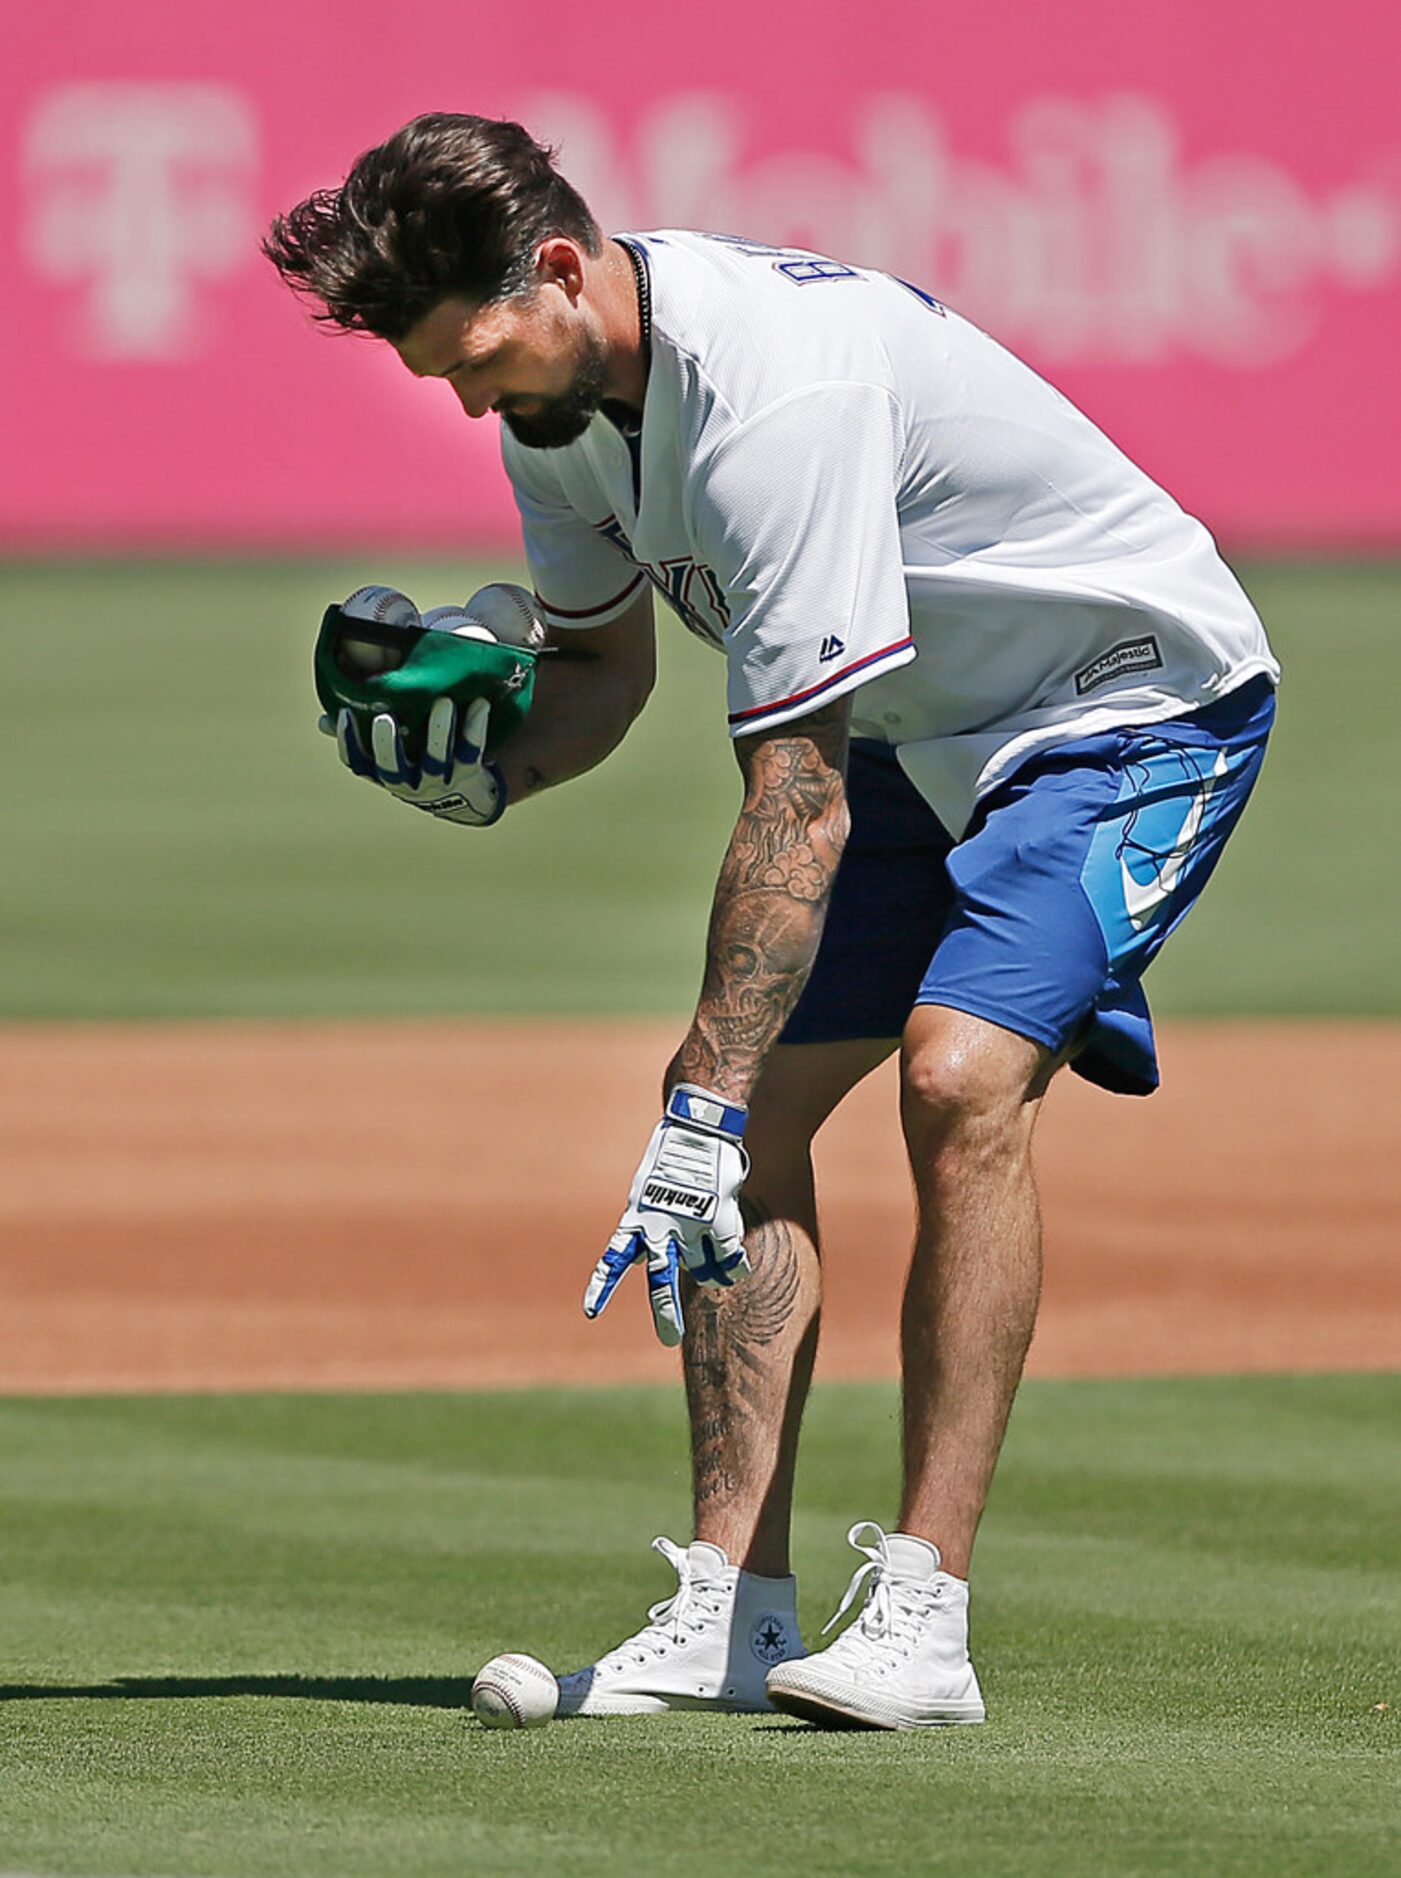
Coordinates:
[770,900]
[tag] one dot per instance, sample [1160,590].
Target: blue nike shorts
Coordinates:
[1044,917]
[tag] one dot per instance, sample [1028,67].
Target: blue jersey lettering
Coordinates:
[925,299]
[804,269]
[690,588]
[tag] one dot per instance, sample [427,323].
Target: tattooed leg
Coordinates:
[748,1361]
[749,1352]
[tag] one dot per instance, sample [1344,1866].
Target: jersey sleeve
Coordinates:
[580,579]
[796,514]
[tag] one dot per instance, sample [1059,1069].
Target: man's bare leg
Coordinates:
[970,1092]
[748,1353]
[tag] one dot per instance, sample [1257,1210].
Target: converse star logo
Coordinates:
[769,1640]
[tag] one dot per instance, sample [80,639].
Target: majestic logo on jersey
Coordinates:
[690,588]
[831,648]
[1130,655]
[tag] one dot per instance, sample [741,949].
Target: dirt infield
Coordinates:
[337,1206]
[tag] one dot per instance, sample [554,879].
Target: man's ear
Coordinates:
[559,262]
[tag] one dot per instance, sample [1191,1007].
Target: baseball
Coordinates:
[514,1692]
[379,606]
[457,621]
[509,612]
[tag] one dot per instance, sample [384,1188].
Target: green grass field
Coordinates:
[238,1635]
[184,844]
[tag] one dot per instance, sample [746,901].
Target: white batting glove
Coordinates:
[454,782]
[683,1209]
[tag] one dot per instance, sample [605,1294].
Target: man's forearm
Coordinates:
[589,688]
[770,903]
[582,711]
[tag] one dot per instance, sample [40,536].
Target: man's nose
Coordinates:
[474,402]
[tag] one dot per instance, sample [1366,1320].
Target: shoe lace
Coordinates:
[687,1611]
[894,1609]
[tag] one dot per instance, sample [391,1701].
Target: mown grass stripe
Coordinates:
[236,1638]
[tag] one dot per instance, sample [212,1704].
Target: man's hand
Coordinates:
[683,1209]
[453,782]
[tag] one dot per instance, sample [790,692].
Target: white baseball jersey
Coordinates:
[847,488]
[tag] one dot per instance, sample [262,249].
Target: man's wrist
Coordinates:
[700,1108]
[698,1066]
[520,779]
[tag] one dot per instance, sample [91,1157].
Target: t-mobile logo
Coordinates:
[142,191]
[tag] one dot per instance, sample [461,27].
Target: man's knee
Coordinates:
[968,1088]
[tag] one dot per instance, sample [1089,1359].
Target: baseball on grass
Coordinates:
[514,1692]
[377,606]
[509,612]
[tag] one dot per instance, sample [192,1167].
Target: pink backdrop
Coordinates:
[1187,214]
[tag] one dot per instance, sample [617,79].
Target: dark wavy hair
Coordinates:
[450,206]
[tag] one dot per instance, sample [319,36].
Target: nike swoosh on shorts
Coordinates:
[1143,898]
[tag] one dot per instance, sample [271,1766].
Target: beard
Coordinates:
[563,419]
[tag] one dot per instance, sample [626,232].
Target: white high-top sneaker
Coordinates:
[709,1646]
[904,1662]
